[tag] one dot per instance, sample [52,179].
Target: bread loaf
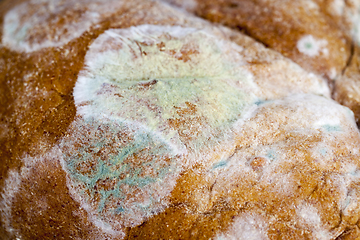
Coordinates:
[139,120]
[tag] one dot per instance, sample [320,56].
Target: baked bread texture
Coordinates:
[139,120]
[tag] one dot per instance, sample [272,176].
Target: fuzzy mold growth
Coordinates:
[38,24]
[183,83]
[312,47]
[151,101]
[121,171]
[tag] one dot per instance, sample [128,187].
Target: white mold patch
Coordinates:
[189,5]
[38,24]
[312,47]
[333,73]
[151,100]
[11,188]
[356,27]
[337,7]
[12,184]
[16,182]
[351,206]
[286,144]
[311,5]
[319,113]
[120,172]
[182,83]
[246,226]
[309,217]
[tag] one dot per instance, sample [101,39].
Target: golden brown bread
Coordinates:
[346,90]
[125,120]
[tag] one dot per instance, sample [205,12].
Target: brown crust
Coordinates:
[346,90]
[43,208]
[280,26]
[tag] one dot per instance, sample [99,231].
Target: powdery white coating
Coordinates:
[351,207]
[318,115]
[308,216]
[12,184]
[183,83]
[321,113]
[346,186]
[352,15]
[311,5]
[337,7]
[312,47]
[274,141]
[333,73]
[356,28]
[269,174]
[189,5]
[102,226]
[119,171]
[246,226]
[38,24]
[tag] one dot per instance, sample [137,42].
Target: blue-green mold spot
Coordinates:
[308,45]
[271,154]
[323,152]
[260,102]
[112,162]
[220,164]
[332,128]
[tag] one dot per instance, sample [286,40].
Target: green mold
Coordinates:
[128,164]
[165,76]
[174,91]
[271,154]
[332,128]
[220,164]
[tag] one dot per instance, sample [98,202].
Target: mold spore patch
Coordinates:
[12,184]
[121,171]
[183,83]
[308,216]
[354,16]
[280,155]
[337,7]
[12,187]
[311,46]
[189,5]
[349,12]
[38,24]
[38,191]
[246,226]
